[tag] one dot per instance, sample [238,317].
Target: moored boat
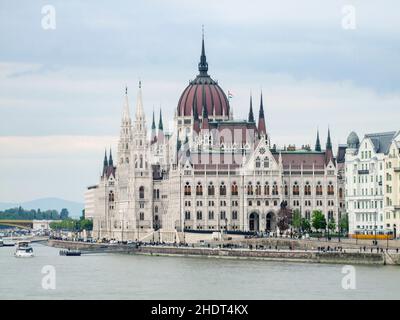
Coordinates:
[68,253]
[23,250]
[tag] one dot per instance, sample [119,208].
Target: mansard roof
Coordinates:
[381,141]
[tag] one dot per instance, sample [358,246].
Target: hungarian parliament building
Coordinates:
[211,173]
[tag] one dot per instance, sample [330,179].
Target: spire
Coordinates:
[153,137]
[160,136]
[110,161]
[139,103]
[328,141]
[160,122]
[251,115]
[153,124]
[203,65]
[318,143]
[261,120]
[105,162]
[125,113]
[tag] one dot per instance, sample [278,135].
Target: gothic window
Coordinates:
[156,209]
[234,189]
[111,196]
[211,189]
[258,162]
[187,189]
[249,189]
[286,189]
[308,214]
[340,193]
[296,189]
[318,189]
[331,191]
[234,215]
[222,189]
[141,216]
[266,189]
[141,162]
[210,215]
[141,192]
[199,189]
[275,189]
[307,189]
[187,215]
[199,215]
[258,189]
[127,160]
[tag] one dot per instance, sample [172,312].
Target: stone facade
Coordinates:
[211,173]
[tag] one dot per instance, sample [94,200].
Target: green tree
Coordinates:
[64,214]
[305,225]
[318,220]
[332,224]
[296,220]
[344,223]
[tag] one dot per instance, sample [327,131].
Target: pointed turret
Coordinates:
[125,113]
[328,149]
[139,103]
[153,137]
[105,162]
[318,143]
[160,137]
[328,141]
[261,120]
[110,160]
[251,115]
[203,65]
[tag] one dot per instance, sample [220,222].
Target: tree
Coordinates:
[318,220]
[344,223]
[296,220]
[332,224]
[305,225]
[64,214]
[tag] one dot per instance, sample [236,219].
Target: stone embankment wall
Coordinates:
[277,255]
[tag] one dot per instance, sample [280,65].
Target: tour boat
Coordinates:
[23,250]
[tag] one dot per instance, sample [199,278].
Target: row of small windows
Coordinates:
[265,162]
[258,190]
[211,215]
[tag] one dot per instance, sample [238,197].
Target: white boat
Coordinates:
[1,242]
[23,250]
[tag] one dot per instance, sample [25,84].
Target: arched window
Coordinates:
[331,191]
[266,162]
[275,189]
[141,192]
[340,193]
[307,189]
[222,189]
[156,209]
[234,189]
[266,189]
[111,196]
[199,189]
[296,189]
[258,189]
[187,189]
[141,162]
[318,189]
[211,189]
[286,189]
[249,189]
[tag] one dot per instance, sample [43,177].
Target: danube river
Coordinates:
[118,276]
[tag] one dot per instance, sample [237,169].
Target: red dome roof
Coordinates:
[203,91]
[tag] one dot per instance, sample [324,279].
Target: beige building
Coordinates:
[392,187]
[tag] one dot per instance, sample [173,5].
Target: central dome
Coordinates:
[203,91]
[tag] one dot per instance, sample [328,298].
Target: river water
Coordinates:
[119,276]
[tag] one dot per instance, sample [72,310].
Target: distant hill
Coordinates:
[74,208]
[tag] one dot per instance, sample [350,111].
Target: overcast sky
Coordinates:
[61,91]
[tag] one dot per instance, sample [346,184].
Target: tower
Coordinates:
[261,120]
[318,143]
